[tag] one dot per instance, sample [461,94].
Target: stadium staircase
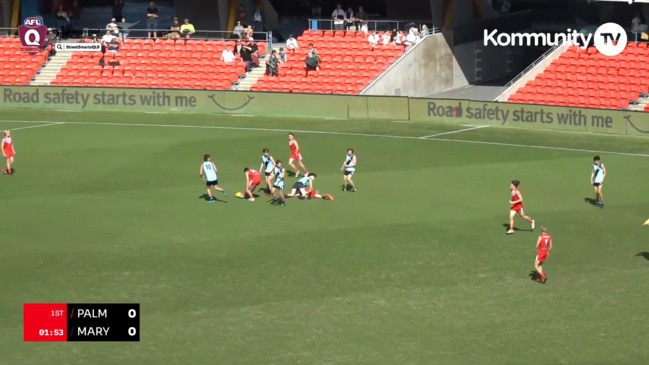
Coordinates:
[144,63]
[348,64]
[252,77]
[16,66]
[586,78]
[49,70]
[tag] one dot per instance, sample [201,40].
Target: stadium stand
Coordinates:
[586,78]
[16,66]
[192,64]
[348,64]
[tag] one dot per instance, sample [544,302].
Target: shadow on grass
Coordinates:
[506,225]
[207,197]
[644,255]
[534,276]
[591,201]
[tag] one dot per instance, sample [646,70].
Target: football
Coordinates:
[238,195]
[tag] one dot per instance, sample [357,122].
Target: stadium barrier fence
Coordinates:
[462,112]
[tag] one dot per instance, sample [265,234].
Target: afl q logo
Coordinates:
[32,33]
[610,39]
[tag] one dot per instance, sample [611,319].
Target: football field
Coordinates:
[414,268]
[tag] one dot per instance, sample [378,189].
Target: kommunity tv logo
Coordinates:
[610,39]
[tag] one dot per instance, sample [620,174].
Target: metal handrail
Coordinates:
[395,63]
[137,33]
[372,24]
[511,83]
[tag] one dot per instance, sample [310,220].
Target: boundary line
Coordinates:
[453,132]
[333,133]
[49,124]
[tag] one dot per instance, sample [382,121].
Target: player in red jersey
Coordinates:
[516,207]
[543,246]
[296,155]
[253,180]
[8,152]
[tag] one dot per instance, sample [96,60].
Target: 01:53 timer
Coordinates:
[54,332]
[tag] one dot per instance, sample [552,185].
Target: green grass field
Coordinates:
[414,268]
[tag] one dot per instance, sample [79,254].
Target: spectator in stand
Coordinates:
[399,38]
[373,39]
[312,59]
[424,30]
[361,20]
[50,41]
[291,43]
[118,7]
[238,30]
[245,52]
[122,28]
[113,45]
[249,33]
[281,55]
[63,22]
[413,36]
[349,19]
[386,39]
[254,53]
[258,18]
[106,40]
[187,29]
[338,17]
[227,56]
[112,27]
[241,14]
[174,30]
[152,20]
[272,64]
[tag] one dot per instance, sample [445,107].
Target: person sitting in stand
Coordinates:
[187,29]
[174,30]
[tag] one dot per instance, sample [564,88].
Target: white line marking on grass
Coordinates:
[243,115]
[38,126]
[69,111]
[502,144]
[335,119]
[402,121]
[156,113]
[453,132]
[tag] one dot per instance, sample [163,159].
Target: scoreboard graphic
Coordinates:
[81,322]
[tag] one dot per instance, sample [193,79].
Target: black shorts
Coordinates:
[347,172]
[212,183]
[298,185]
[597,184]
[268,173]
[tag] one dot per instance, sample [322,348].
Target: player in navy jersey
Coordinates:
[597,180]
[348,169]
[277,191]
[267,166]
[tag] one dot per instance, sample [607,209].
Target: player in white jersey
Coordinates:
[208,172]
[597,180]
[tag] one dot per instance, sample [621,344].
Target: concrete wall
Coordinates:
[426,68]
[434,66]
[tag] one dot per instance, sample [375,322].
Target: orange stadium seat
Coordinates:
[16,66]
[585,78]
[348,64]
[143,63]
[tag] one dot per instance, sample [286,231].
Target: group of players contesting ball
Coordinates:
[275,176]
[303,188]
